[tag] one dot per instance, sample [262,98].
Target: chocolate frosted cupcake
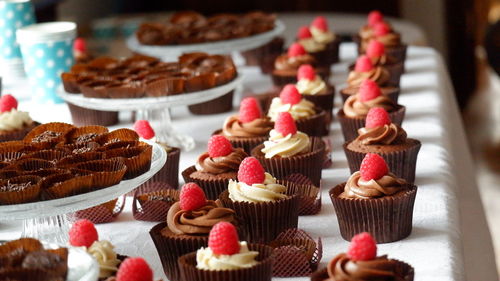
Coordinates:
[386,139]
[47,135]
[262,204]
[376,201]
[287,65]
[151,202]
[310,119]
[228,259]
[320,42]
[362,263]
[187,226]
[247,129]
[14,124]
[352,115]
[215,167]
[376,52]
[289,151]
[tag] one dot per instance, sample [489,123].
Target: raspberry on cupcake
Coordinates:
[14,124]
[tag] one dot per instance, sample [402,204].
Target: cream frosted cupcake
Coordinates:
[14,124]
[310,119]
[319,41]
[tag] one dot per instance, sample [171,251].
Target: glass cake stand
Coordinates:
[156,109]
[47,220]
[171,52]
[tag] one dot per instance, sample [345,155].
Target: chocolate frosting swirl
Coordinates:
[356,187]
[222,164]
[354,107]
[257,128]
[284,62]
[341,268]
[391,39]
[199,221]
[378,74]
[387,134]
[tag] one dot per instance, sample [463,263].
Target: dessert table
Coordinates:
[450,238]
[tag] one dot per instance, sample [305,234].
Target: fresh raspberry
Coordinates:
[219,145]
[143,128]
[369,90]
[306,71]
[375,17]
[251,171]
[362,248]
[80,45]
[285,124]
[377,117]
[290,95]
[373,167]
[82,233]
[223,239]
[192,197]
[296,50]
[249,110]
[375,49]
[381,29]
[320,23]
[363,64]
[134,269]
[7,103]
[304,32]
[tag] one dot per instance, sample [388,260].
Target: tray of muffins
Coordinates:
[138,81]
[192,32]
[59,168]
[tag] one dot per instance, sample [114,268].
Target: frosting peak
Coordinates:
[356,187]
[103,251]
[303,109]
[342,268]
[387,134]
[222,164]
[267,191]
[322,36]
[284,62]
[208,260]
[256,128]
[14,120]
[311,87]
[378,74]
[354,107]
[285,146]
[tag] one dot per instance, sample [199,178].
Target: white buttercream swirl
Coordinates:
[268,191]
[285,146]
[103,251]
[14,120]
[206,259]
[311,87]
[322,36]
[311,45]
[303,109]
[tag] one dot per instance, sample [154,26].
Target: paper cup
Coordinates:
[14,14]
[47,50]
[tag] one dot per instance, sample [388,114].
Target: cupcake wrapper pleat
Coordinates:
[402,269]
[218,105]
[212,187]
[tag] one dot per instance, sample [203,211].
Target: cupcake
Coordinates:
[377,54]
[247,129]
[286,65]
[352,115]
[187,225]
[361,262]
[310,119]
[289,151]
[215,167]
[151,202]
[226,258]
[374,200]
[20,189]
[386,139]
[14,124]
[260,202]
[314,89]
[265,56]
[320,42]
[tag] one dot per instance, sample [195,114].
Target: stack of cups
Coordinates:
[47,50]
[14,14]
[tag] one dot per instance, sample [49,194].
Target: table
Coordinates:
[450,238]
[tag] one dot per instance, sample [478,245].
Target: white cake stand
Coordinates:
[156,109]
[47,221]
[171,52]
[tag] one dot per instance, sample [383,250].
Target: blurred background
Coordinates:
[465,32]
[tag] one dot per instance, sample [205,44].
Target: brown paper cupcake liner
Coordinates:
[83,116]
[57,127]
[170,248]
[399,53]
[118,135]
[18,134]
[350,125]
[51,155]
[95,88]
[8,157]
[404,270]
[137,159]
[212,186]
[325,102]
[14,146]
[262,271]
[308,164]
[247,143]
[79,148]
[315,125]
[387,218]
[72,160]
[200,82]
[103,213]
[296,254]
[262,222]
[401,163]
[30,165]
[120,144]
[63,185]
[85,133]
[218,105]
[69,82]
[329,55]
[152,201]
[226,75]
[328,153]
[392,93]
[8,174]
[169,173]
[23,195]
[104,172]
[165,86]
[395,71]
[308,194]
[47,172]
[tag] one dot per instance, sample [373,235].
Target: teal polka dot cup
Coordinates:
[47,50]
[14,14]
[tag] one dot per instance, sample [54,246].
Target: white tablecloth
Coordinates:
[450,238]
